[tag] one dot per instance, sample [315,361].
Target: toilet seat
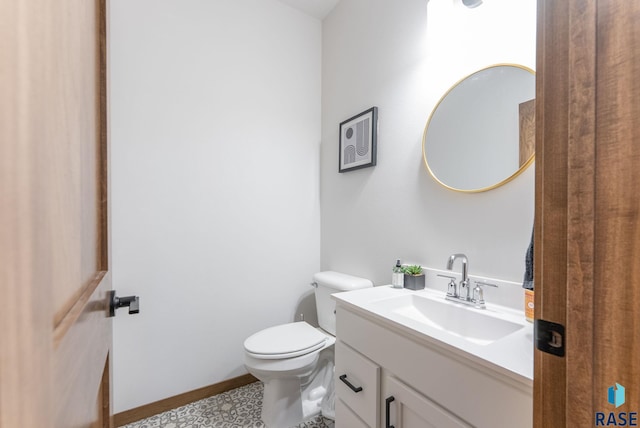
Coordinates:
[285,341]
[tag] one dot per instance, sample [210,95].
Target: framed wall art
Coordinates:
[358,135]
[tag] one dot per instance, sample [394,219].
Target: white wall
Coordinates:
[402,56]
[215,134]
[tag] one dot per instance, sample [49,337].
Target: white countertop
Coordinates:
[511,355]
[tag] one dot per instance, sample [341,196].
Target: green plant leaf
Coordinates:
[412,270]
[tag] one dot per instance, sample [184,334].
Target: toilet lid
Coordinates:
[285,341]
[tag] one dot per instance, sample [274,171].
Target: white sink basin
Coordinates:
[497,336]
[477,326]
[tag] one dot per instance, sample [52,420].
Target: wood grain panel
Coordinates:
[550,248]
[82,329]
[104,231]
[25,318]
[617,276]
[103,403]
[565,253]
[527,134]
[79,363]
[580,259]
[73,148]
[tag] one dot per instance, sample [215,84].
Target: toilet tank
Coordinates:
[330,282]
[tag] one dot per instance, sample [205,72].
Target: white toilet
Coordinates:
[295,360]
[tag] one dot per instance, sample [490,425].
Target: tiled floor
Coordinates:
[238,408]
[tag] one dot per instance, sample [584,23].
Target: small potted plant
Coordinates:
[413,277]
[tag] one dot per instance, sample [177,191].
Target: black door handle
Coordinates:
[115,302]
[355,389]
[387,404]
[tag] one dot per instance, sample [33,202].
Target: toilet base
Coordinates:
[282,403]
[290,400]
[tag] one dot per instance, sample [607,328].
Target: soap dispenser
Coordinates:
[397,278]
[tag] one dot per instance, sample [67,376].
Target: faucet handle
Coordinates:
[452,286]
[484,283]
[478,293]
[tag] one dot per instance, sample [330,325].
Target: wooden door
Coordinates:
[55,338]
[587,233]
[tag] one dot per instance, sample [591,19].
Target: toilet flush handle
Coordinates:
[314,284]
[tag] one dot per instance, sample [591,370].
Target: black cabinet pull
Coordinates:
[355,389]
[387,417]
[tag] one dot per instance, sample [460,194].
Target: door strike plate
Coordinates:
[549,337]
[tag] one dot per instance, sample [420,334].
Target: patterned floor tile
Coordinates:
[238,408]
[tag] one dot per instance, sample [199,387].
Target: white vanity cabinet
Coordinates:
[405,407]
[408,381]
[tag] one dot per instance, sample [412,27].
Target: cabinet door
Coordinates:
[357,381]
[345,418]
[403,407]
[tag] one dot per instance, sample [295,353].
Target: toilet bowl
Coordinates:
[294,371]
[295,360]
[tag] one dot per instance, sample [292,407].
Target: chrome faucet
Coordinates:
[464,293]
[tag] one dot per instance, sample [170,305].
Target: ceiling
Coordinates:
[316,8]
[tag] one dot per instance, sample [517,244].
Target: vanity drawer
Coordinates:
[363,375]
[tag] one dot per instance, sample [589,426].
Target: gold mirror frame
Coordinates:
[519,171]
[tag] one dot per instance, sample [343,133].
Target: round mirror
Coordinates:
[481,133]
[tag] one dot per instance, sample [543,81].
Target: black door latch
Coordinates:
[115,302]
[549,337]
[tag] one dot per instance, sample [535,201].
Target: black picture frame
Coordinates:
[358,141]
